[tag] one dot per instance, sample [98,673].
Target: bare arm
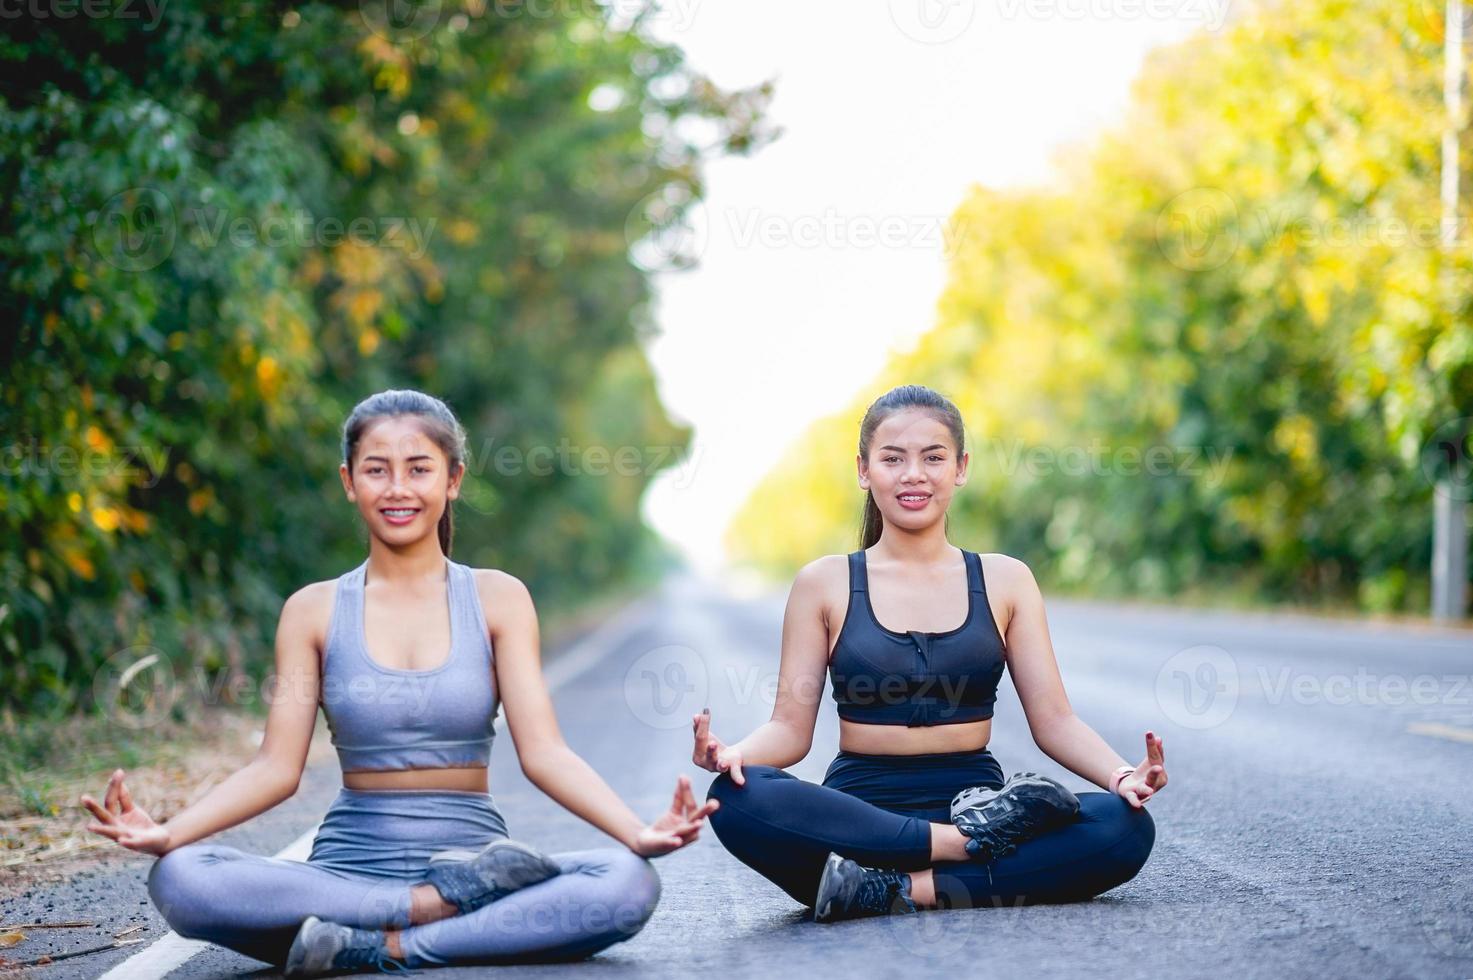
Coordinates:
[1056,729]
[268,779]
[545,757]
[786,737]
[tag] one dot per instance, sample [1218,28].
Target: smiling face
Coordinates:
[913,468]
[400,480]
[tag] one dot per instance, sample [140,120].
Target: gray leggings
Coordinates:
[373,847]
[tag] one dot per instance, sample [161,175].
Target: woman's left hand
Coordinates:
[1149,777]
[678,826]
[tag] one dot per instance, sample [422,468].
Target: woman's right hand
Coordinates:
[711,753]
[125,823]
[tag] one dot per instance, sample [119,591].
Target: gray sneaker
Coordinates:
[472,879]
[998,820]
[328,947]
[847,890]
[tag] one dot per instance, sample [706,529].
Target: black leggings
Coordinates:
[877,810]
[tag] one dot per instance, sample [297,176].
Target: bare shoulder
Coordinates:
[822,585]
[1009,579]
[307,612]
[823,576]
[504,597]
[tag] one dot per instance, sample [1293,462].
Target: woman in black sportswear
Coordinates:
[913,811]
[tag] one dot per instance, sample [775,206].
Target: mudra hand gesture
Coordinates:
[711,753]
[125,823]
[1149,776]
[678,826]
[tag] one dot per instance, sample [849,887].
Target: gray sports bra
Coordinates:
[389,718]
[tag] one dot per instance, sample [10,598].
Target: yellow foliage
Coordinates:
[136,520]
[462,232]
[268,377]
[1299,140]
[97,440]
[79,563]
[201,499]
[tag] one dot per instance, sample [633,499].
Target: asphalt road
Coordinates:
[1318,820]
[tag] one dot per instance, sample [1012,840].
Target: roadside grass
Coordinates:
[46,765]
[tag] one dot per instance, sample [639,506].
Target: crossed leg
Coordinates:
[784,827]
[255,904]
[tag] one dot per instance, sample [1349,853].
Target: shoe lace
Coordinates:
[880,891]
[357,957]
[993,845]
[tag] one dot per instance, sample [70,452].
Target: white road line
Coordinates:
[1438,730]
[173,950]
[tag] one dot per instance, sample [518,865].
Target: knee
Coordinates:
[176,885]
[638,891]
[725,791]
[1138,824]
[1134,831]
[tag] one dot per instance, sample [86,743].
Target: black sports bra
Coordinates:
[882,677]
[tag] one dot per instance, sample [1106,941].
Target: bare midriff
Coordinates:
[469,779]
[968,736]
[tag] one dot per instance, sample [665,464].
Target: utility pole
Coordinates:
[1449,509]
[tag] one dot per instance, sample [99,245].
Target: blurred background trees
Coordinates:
[1242,278]
[222,229]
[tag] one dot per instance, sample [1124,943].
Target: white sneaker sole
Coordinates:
[821,905]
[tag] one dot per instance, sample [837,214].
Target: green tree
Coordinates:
[221,230]
[1245,276]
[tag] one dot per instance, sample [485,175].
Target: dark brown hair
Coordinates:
[436,421]
[896,400]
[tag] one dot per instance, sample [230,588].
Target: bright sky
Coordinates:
[822,254]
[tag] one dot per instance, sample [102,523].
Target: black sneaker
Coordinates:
[328,947]
[997,820]
[848,891]
[472,879]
